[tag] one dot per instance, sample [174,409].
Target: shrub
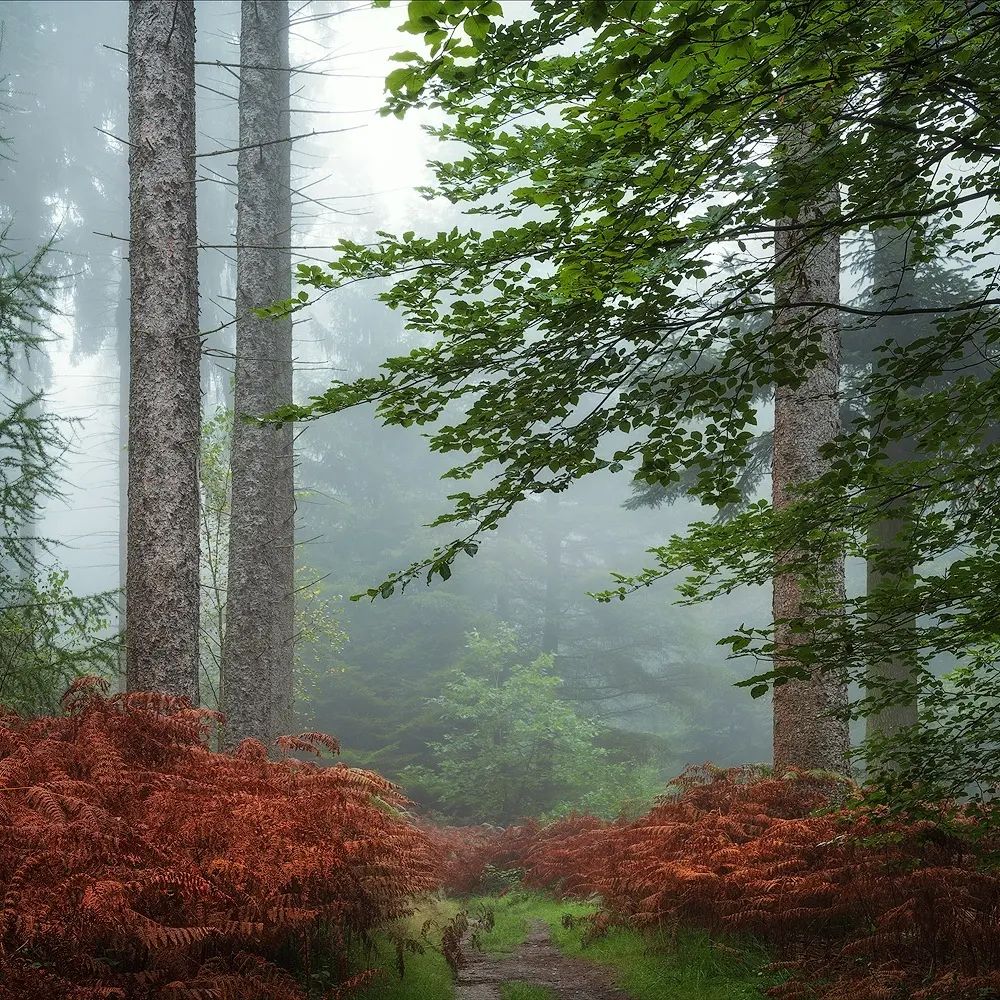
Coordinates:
[137,863]
[853,902]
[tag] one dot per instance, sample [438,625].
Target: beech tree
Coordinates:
[162,592]
[614,315]
[810,722]
[257,657]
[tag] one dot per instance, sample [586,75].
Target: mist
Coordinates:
[646,670]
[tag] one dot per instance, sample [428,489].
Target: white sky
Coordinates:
[383,160]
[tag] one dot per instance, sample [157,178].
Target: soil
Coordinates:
[538,962]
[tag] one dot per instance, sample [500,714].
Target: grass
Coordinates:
[426,976]
[514,914]
[687,965]
[525,991]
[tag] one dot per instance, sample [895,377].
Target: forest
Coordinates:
[501,500]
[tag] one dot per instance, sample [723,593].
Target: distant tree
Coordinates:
[257,653]
[513,748]
[162,593]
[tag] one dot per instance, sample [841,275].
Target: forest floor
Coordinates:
[527,946]
[537,968]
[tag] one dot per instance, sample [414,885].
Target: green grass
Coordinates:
[525,991]
[515,913]
[685,966]
[426,976]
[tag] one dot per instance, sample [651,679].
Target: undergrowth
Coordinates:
[650,965]
[135,862]
[853,902]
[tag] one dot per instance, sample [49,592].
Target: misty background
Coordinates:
[647,671]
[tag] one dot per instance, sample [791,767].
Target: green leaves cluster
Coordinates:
[513,748]
[48,635]
[613,311]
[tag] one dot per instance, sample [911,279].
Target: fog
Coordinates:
[647,669]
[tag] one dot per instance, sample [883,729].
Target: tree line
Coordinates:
[674,195]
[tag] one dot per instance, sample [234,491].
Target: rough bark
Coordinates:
[889,581]
[122,347]
[889,570]
[164,393]
[257,656]
[808,732]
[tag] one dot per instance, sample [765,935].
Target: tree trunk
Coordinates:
[808,733]
[887,571]
[258,649]
[122,345]
[889,581]
[164,393]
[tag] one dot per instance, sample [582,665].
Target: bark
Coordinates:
[257,658]
[122,347]
[808,732]
[164,392]
[889,581]
[889,570]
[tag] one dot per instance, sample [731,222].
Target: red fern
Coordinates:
[135,862]
[855,904]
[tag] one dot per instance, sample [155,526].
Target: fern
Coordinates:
[136,862]
[853,903]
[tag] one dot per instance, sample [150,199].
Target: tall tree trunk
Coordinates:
[164,393]
[808,733]
[889,570]
[889,581]
[257,656]
[553,574]
[122,343]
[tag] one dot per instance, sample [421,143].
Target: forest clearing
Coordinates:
[500,500]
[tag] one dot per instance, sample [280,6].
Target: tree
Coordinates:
[162,595]
[257,656]
[48,636]
[893,286]
[648,674]
[319,634]
[620,150]
[810,722]
[513,748]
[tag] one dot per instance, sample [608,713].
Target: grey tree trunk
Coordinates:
[553,575]
[890,572]
[807,731]
[122,348]
[164,394]
[257,657]
[888,580]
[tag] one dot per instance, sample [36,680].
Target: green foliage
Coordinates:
[683,963]
[418,972]
[48,636]
[513,748]
[613,312]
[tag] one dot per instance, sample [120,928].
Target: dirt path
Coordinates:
[538,962]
